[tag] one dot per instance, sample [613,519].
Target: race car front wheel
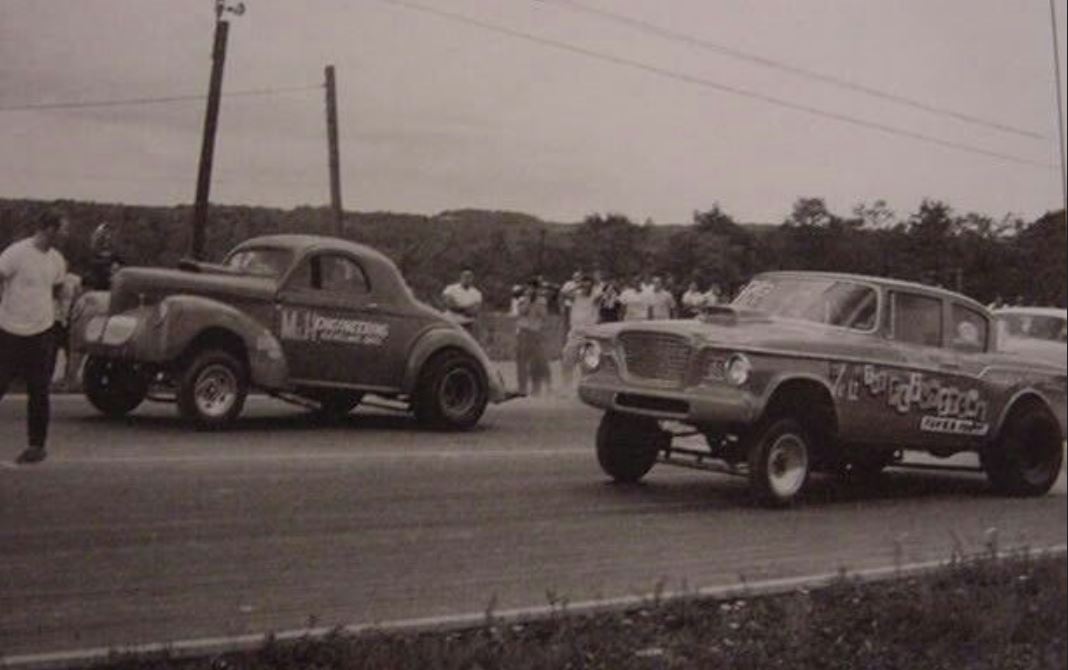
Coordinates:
[627,445]
[451,392]
[212,389]
[779,461]
[1026,458]
[114,387]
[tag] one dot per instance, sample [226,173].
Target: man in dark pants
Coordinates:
[31,273]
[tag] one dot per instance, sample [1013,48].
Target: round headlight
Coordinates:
[738,369]
[119,329]
[590,355]
[95,328]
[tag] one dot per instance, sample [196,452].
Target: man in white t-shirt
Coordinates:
[462,300]
[633,299]
[31,275]
[585,312]
[661,302]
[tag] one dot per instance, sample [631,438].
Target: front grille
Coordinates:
[655,356]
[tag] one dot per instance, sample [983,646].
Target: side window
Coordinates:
[329,273]
[917,319]
[301,277]
[970,329]
[341,275]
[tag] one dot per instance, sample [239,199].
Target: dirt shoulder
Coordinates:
[996,613]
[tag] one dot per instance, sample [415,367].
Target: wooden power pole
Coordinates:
[335,162]
[211,122]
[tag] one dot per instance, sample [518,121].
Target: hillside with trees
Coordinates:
[989,259]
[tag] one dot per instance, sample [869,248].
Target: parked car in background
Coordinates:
[1035,332]
[316,320]
[819,372]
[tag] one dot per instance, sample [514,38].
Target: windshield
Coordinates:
[817,299]
[262,261]
[1036,327]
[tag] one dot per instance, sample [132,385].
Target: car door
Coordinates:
[964,409]
[916,330]
[936,398]
[326,324]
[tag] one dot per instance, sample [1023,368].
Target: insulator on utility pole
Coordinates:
[334,157]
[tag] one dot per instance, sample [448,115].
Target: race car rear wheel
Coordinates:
[113,387]
[212,389]
[780,457]
[1026,458]
[451,392]
[627,445]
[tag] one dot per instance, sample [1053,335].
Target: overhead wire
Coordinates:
[714,85]
[121,102]
[805,73]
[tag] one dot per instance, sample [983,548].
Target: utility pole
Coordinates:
[211,121]
[335,163]
[1060,104]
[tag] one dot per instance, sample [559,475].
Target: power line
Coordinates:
[122,102]
[716,86]
[805,73]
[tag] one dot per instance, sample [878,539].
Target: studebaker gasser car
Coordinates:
[316,320]
[820,372]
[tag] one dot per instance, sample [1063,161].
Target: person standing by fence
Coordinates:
[31,274]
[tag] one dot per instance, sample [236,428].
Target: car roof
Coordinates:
[303,243]
[1034,311]
[884,281]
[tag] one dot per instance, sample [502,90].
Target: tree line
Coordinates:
[989,259]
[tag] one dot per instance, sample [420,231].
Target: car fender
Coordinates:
[779,380]
[440,338]
[164,332]
[187,317]
[1058,410]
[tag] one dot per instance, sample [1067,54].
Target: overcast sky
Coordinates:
[558,108]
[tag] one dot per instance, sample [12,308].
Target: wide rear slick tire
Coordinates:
[1026,458]
[627,445]
[780,461]
[451,393]
[113,387]
[212,389]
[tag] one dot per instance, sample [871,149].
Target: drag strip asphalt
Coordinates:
[142,532]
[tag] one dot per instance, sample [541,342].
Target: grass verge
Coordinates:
[977,613]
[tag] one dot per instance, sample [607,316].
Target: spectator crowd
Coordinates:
[583,300]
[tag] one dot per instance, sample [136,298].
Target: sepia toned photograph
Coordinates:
[533,334]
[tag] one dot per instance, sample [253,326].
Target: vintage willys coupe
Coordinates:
[825,372]
[316,320]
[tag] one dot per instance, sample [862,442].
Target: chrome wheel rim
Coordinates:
[459,392]
[215,391]
[787,465]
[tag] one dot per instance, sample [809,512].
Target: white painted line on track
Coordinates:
[218,645]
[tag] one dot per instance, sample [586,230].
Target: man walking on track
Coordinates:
[31,272]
